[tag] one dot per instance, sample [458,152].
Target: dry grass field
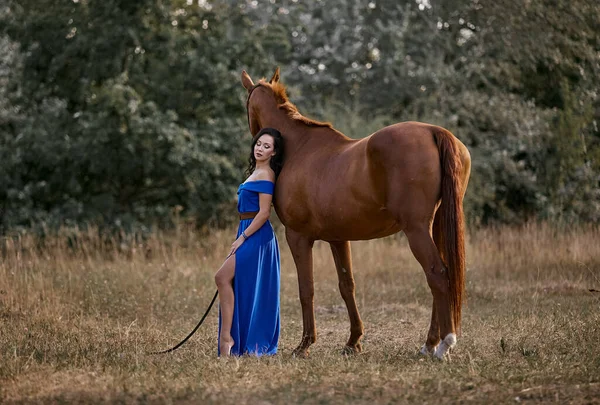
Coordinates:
[77,316]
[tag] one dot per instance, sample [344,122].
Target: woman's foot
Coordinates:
[225,346]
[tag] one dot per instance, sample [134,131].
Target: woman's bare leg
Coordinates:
[224,281]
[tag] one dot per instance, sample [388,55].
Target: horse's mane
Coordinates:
[291,110]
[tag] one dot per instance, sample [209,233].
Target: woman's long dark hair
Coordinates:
[276,162]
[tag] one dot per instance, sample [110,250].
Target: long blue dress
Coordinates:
[255,326]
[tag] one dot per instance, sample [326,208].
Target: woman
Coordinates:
[248,281]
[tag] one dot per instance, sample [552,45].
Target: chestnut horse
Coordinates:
[409,176]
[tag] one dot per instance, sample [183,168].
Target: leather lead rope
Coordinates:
[192,332]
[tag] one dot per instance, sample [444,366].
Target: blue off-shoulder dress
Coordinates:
[256,322]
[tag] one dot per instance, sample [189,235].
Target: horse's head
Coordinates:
[252,103]
[266,103]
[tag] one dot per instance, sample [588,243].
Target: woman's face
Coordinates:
[264,148]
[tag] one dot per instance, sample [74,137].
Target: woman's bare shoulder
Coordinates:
[265,174]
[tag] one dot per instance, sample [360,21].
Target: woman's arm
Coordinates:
[264,202]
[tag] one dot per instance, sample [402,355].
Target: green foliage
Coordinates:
[125,115]
[122,113]
[572,161]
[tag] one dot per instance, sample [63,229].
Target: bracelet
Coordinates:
[244,235]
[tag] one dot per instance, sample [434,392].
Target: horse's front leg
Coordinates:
[343,263]
[301,248]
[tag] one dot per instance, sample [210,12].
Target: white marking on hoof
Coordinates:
[425,351]
[442,350]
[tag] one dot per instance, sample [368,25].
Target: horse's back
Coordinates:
[412,145]
[404,135]
[407,147]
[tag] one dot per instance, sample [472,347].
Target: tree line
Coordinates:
[129,114]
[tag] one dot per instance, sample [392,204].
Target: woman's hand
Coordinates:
[235,245]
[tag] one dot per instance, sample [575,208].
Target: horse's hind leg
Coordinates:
[343,263]
[301,248]
[433,336]
[426,253]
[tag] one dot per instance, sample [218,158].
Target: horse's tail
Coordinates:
[449,224]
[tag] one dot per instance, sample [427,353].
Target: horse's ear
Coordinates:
[247,81]
[275,77]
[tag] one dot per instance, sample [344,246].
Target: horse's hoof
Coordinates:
[300,353]
[426,351]
[443,350]
[349,350]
